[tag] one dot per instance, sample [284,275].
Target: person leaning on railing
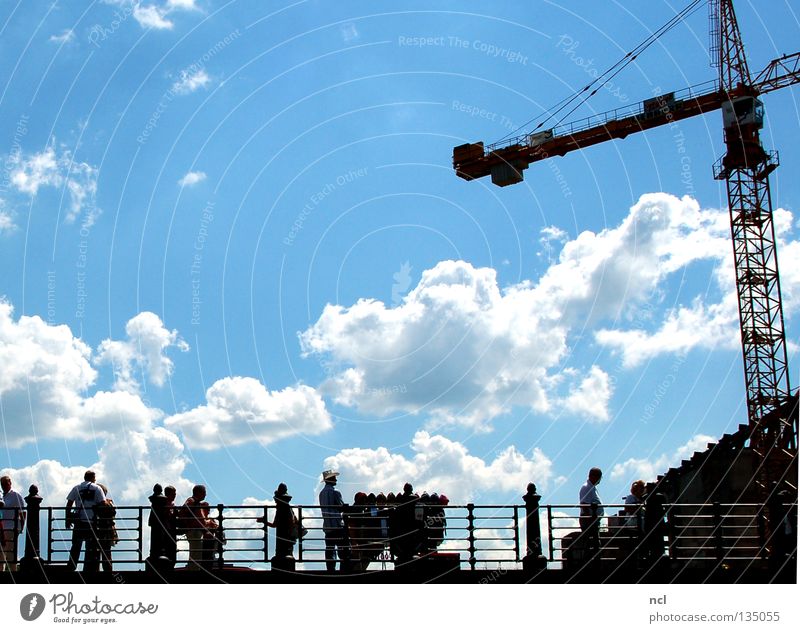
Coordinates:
[634,510]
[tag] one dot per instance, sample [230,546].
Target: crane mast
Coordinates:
[745,168]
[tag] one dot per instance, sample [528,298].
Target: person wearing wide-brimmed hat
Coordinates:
[331,503]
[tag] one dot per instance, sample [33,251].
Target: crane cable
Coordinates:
[608,75]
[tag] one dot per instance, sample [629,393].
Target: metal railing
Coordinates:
[479,535]
[680,532]
[466,536]
[676,99]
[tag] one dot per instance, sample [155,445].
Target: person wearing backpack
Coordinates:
[85,496]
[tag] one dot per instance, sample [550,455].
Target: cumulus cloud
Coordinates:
[456,348]
[143,352]
[192,178]
[442,465]
[191,80]
[45,369]
[128,463]
[695,234]
[241,409]
[648,468]
[50,168]
[461,349]
[46,375]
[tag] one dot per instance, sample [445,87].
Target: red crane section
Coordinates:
[506,161]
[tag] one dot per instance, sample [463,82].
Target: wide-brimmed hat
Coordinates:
[329,474]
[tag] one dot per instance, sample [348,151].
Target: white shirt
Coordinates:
[588,495]
[85,496]
[13,499]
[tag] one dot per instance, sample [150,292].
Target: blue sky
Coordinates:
[234,250]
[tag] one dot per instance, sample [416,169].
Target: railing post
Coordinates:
[534,560]
[140,535]
[471,534]
[550,544]
[300,533]
[33,504]
[220,536]
[263,520]
[718,543]
[672,532]
[761,526]
[49,535]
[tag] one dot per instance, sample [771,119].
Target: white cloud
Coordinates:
[66,36]
[46,374]
[45,369]
[704,234]
[48,168]
[441,465]
[192,178]
[648,468]
[241,409]
[6,222]
[144,352]
[458,348]
[191,80]
[182,4]
[591,396]
[151,17]
[128,463]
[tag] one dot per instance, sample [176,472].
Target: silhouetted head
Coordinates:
[170,493]
[595,475]
[282,489]
[199,492]
[408,489]
[89,475]
[5,483]
[637,488]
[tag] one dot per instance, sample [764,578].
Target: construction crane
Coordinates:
[746,166]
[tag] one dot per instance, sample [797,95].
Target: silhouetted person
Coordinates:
[200,529]
[332,523]
[407,531]
[106,528]
[85,496]
[170,544]
[591,508]
[162,524]
[13,523]
[284,523]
